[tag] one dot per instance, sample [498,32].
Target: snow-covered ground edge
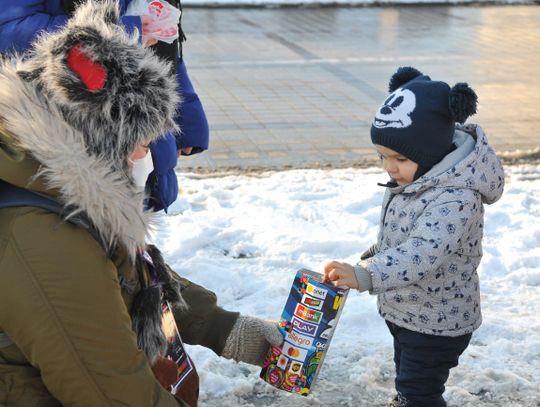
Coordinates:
[245,236]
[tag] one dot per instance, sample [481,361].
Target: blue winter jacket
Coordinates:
[21,20]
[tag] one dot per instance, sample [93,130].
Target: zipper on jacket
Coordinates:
[392,196]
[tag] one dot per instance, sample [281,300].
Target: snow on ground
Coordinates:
[244,237]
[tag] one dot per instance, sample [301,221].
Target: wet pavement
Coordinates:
[298,87]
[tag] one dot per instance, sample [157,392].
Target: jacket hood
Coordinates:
[41,152]
[69,139]
[486,174]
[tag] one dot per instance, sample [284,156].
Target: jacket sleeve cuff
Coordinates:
[363,278]
[220,327]
[202,322]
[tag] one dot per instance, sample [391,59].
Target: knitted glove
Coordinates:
[250,339]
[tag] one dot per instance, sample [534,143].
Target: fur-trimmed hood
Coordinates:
[473,157]
[82,133]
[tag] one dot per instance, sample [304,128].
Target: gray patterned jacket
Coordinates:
[430,241]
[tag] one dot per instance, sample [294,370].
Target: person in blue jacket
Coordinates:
[21,21]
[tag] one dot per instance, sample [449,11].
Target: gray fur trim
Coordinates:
[147,322]
[139,100]
[171,289]
[81,138]
[146,310]
[86,182]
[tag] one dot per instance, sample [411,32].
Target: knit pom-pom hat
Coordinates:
[417,120]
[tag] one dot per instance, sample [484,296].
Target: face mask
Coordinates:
[142,169]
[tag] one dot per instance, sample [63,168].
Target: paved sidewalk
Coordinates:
[295,87]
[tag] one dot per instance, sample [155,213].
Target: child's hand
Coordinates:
[340,274]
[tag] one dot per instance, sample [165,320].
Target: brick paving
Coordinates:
[297,87]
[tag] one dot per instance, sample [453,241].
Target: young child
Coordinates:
[423,267]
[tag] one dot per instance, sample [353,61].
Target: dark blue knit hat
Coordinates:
[417,120]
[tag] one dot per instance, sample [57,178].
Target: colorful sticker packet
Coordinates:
[175,348]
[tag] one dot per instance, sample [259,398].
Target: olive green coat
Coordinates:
[62,306]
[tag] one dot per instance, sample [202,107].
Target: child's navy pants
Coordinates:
[423,363]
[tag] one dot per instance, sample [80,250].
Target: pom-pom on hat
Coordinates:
[417,120]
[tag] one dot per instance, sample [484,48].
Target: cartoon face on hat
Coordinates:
[396,110]
[418,118]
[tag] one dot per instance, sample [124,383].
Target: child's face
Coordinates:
[400,168]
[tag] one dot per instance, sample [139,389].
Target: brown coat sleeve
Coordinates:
[203,322]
